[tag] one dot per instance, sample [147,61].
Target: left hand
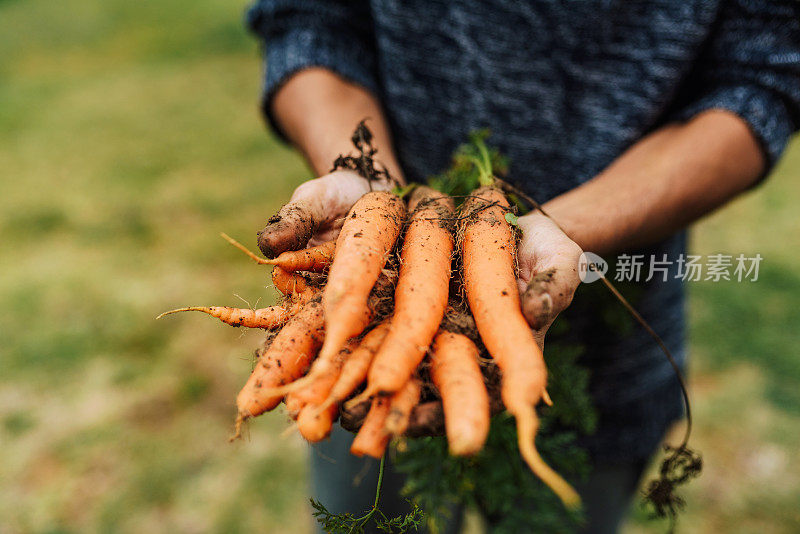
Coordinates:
[548,271]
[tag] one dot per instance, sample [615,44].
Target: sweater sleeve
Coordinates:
[751,67]
[297,34]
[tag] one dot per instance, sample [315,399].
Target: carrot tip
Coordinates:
[462,446]
[177,310]
[526,434]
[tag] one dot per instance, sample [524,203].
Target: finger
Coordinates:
[550,291]
[291,227]
[427,419]
[319,204]
[537,300]
[351,418]
[539,333]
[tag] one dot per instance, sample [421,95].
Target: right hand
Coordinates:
[315,212]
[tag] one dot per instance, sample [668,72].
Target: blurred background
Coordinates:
[129,138]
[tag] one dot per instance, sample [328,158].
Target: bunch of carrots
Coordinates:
[360,338]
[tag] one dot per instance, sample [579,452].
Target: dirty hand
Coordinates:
[315,212]
[548,271]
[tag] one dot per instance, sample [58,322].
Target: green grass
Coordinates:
[129,137]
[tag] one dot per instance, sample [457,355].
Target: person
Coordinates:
[628,119]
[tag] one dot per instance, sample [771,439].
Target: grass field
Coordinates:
[129,137]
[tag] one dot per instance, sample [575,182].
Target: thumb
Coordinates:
[289,229]
[293,225]
[548,294]
[316,204]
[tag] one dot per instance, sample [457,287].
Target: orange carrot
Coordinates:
[293,405]
[315,259]
[356,366]
[289,283]
[367,237]
[312,395]
[314,421]
[295,301]
[488,252]
[321,367]
[314,424]
[456,374]
[317,390]
[268,318]
[401,405]
[421,293]
[372,437]
[287,358]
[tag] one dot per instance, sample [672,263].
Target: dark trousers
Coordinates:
[345,483]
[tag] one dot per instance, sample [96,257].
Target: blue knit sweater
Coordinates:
[566,87]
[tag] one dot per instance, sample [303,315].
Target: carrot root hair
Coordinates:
[187,308]
[327,403]
[289,430]
[244,249]
[237,431]
[361,397]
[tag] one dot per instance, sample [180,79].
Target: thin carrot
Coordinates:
[401,405]
[457,376]
[421,294]
[372,437]
[315,392]
[319,369]
[367,237]
[488,250]
[268,318]
[314,424]
[324,365]
[356,366]
[315,259]
[289,283]
[293,405]
[287,358]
